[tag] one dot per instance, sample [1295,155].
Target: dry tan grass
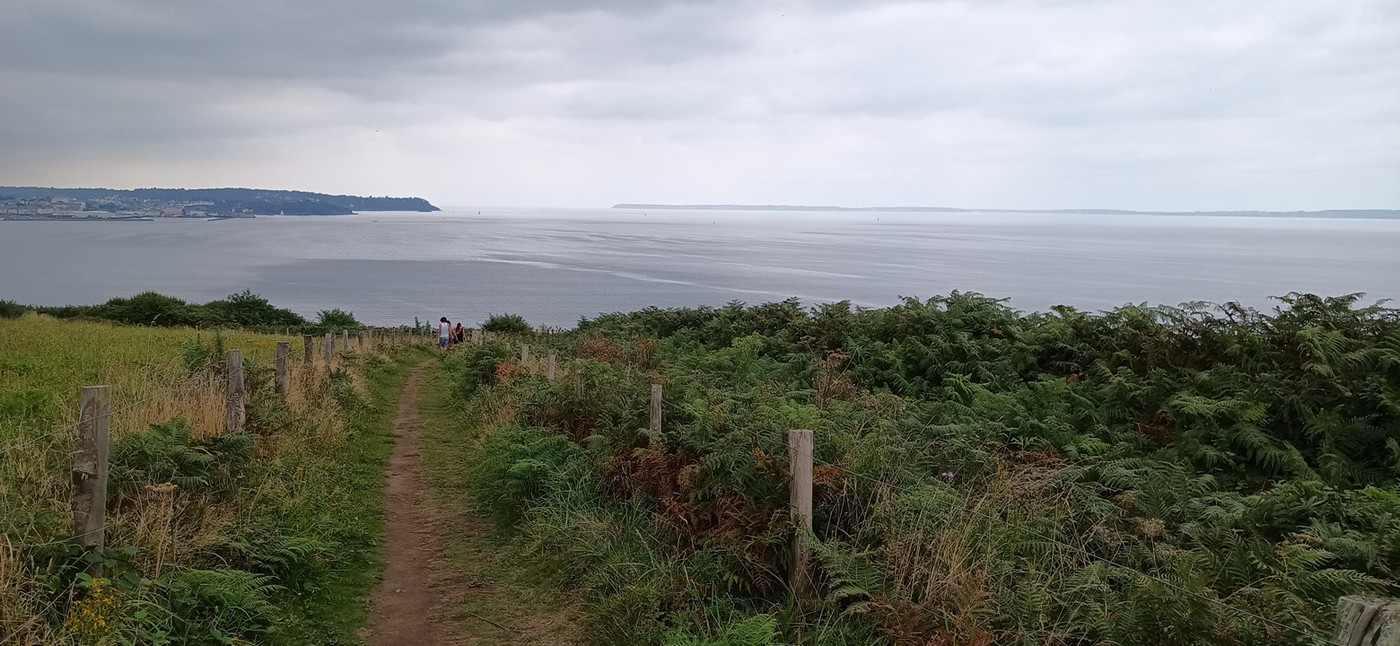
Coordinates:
[941,562]
[22,607]
[39,359]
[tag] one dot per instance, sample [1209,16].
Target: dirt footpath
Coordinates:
[446,582]
[405,606]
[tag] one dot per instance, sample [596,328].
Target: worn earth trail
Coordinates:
[445,581]
[405,605]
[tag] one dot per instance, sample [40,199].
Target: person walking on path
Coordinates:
[444,334]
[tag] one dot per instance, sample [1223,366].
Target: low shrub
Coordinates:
[518,465]
[248,310]
[507,324]
[242,310]
[166,454]
[11,310]
[336,319]
[215,607]
[477,366]
[149,308]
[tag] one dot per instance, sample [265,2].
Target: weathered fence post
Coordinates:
[655,425]
[578,385]
[90,469]
[330,348]
[476,337]
[524,354]
[549,367]
[306,345]
[345,340]
[800,504]
[236,414]
[360,341]
[284,350]
[1368,621]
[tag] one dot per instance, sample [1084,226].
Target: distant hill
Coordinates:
[230,200]
[1333,213]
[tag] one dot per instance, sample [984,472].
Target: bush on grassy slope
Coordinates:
[975,467]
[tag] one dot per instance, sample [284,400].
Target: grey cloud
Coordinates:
[256,38]
[1056,97]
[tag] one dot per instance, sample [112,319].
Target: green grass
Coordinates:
[45,362]
[347,495]
[1154,476]
[269,536]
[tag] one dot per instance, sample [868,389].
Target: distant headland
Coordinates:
[36,203]
[1332,213]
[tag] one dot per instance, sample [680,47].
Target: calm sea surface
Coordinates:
[554,266]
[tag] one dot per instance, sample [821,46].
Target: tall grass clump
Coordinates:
[1147,475]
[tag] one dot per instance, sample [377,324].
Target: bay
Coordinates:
[554,266]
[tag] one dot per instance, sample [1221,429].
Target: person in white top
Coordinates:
[444,334]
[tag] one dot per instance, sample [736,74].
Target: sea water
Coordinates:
[554,266]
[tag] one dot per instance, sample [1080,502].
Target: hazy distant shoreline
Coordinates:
[1330,213]
[49,203]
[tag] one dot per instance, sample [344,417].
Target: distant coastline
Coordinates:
[48,204]
[1373,214]
[65,218]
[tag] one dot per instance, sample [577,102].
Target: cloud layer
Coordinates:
[1193,104]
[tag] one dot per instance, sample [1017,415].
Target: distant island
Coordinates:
[1332,213]
[36,203]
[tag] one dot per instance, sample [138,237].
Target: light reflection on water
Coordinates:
[554,266]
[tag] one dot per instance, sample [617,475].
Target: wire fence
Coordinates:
[1241,612]
[208,381]
[213,379]
[32,459]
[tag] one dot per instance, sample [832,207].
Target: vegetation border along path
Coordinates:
[270,535]
[447,579]
[403,605]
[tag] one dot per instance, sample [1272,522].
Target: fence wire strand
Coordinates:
[1073,548]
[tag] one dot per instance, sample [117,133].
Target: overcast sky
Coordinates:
[1180,104]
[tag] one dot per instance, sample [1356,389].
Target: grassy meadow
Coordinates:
[266,536]
[1143,476]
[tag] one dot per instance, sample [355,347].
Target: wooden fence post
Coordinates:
[1368,621]
[236,414]
[306,345]
[284,350]
[578,385]
[330,348]
[524,354]
[345,340]
[549,367]
[90,470]
[800,503]
[655,425]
